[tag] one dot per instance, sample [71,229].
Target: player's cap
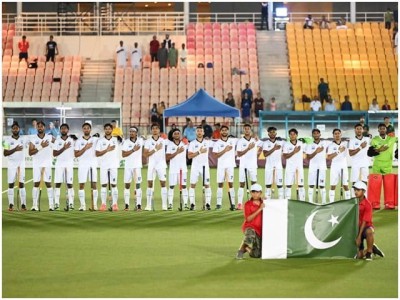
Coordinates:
[256,188]
[359,185]
[133,129]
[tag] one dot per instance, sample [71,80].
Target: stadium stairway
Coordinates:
[97,81]
[274,68]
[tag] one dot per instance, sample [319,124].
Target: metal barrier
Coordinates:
[335,16]
[304,122]
[138,23]
[44,24]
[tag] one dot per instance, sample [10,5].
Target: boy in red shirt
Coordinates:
[252,225]
[23,47]
[366,228]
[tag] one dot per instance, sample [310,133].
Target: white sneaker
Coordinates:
[95,207]
[148,208]
[164,208]
[34,208]
[82,208]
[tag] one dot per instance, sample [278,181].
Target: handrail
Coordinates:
[148,23]
[307,120]
[335,16]
[87,24]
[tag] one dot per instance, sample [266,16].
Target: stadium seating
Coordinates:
[225,46]
[54,82]
[7,36]
[358,61]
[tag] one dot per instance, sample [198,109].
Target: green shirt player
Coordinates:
[384,145]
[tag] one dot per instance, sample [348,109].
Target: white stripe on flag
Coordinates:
[275,224]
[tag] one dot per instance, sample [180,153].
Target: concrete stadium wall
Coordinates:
[93,47]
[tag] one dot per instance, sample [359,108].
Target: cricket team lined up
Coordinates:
[95,153]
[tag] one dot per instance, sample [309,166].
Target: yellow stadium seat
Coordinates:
[363,105]
[298,106]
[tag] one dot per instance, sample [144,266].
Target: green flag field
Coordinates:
[172,254]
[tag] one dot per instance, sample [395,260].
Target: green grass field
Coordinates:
[172,254]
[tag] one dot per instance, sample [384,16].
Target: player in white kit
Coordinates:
[272,150]
[154,150]
[40,148]
[293,152]
[247,149]
[224,151]
[337,152]
[360,162]
[87,163]
[132,149]
[176,155]
[198,151]
[63,150]
[108,153]
[316,153]
[14,149]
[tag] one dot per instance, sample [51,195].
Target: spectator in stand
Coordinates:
[51,49]
[116,131]
[388,19]
[186,125]
[160,111]
[386,106]
[258,104]
[57,126]
[183,57]
[167,41]
[136,58]
[248,91]
[154,114]
[207,129]
[162,56]
[23,47]
[33,63]
[341,23]
[365,127]
[246,108]
[264,15]
[121,55]
[272,104]
[324,23]
[374,106]
[33,130]
[190,132]
[172,56]
[217,132]
[329,106]
[309,23]
[323,89]
[230,101]
[346,105]
[171,132]
[154,46]
[315,104]
[389,126]
[52,130]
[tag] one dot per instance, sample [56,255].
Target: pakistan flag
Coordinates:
[293,228]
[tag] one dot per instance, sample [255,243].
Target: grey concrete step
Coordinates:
[97,80]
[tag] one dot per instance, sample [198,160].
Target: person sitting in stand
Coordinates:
[309,23]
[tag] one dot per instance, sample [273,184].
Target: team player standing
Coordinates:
[93,152]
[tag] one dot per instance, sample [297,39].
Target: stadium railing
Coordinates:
[75,23]
[304,122]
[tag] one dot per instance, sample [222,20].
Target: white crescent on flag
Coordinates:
[312,239]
